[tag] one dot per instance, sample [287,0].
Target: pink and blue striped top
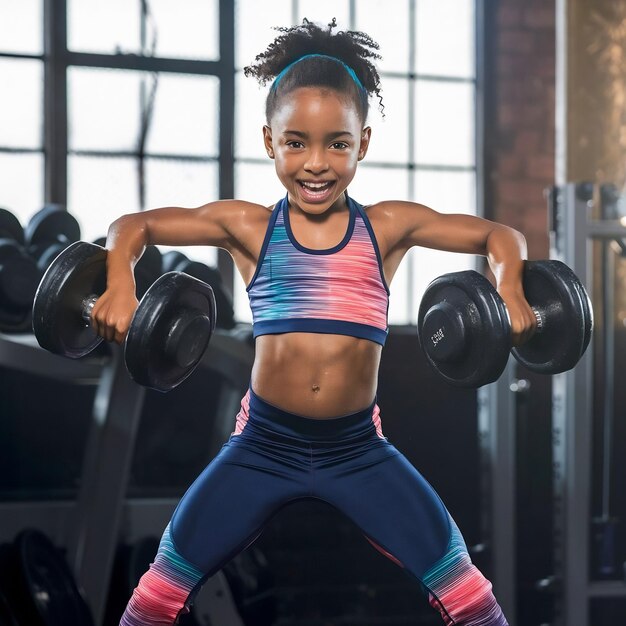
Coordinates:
[339,290]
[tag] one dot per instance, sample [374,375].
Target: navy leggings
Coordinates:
[274,457]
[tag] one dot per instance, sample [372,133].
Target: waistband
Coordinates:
[329,428]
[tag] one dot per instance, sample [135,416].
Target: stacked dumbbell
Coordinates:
[465,332]
[19,276]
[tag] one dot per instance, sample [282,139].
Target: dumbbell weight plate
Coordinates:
[19,278]
[170,331]
[7,616]
[176,261]
[463,329]
[555,291]
[50,224]
[49,582]
[10,227]
[57,312]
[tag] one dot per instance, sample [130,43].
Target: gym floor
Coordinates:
[491,109]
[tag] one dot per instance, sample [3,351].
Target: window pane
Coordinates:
[21,184]
[374,184]
[185,29]
[390,135]
[105,27]
[444,132]
[323,11]
[390,28]
[104,111]
[185,119]
[249,118]
[186,184]
[21,112]
[445,37]
[254,27]
[100,190]
[21,26]
[258,183]
[447,192]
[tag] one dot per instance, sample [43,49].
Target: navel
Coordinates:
[315,388]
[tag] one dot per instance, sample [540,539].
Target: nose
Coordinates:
[316,161]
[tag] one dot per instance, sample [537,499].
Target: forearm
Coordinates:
[506,251]
[126,241]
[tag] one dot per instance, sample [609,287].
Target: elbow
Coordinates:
[502,237]
[131,226]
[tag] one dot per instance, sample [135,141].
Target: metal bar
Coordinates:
[607,589]
[55,101]
[572,431]
[22,353]
[225,263]
[106,466]
[609,229]
[133,153]
[146,64]
[497,430]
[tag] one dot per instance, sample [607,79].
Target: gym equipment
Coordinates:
[49,583]
[10,227]
[465,332]
[147,270]
[168,333]
[38,588]
[19,278]
[49,232]
[176,261]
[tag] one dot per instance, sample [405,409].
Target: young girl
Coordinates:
[317,265]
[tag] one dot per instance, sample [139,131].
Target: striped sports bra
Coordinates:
[339,290]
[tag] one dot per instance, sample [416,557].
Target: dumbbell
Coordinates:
[465,332]
[168,333]
[49,232]
[19,276]
[176,261]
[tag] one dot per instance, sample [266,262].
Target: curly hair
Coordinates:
[331,53]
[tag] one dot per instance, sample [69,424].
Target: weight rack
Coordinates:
[574,228]
[91,526]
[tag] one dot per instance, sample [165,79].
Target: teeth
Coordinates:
[315,185]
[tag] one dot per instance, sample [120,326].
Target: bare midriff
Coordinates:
[316,375]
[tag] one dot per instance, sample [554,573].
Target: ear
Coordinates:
[366,135]
[267,140]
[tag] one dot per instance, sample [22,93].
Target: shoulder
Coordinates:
[395,218]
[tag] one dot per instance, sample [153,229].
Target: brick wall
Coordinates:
[522,127]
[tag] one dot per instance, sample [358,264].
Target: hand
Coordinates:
[112,313]
[523,320]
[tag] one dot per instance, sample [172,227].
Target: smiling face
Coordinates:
[316,138]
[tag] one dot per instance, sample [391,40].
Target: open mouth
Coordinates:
[316,191]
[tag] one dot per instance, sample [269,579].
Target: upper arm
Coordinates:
[418,225]
[212,224]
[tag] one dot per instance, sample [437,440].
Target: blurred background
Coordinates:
[512,111]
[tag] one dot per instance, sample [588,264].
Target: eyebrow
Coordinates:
[332,135]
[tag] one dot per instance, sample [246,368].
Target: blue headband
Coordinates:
[348,69]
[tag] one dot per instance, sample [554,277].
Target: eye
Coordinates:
[295,144]
[339,145]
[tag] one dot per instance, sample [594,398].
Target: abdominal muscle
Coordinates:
[316,375]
